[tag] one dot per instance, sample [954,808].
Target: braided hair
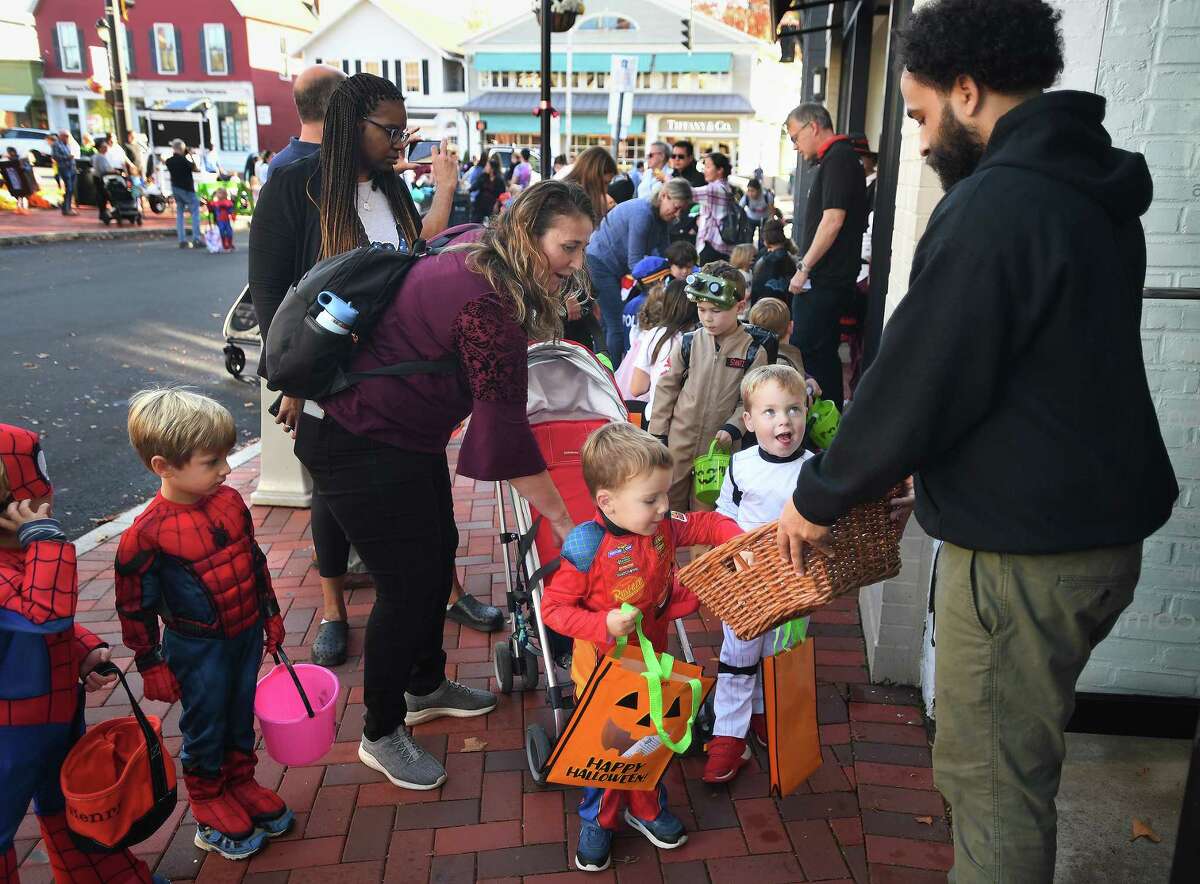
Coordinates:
[341,229]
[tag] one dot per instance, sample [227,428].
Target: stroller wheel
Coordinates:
[235,360]
[502,664]
[529,668]
[537,752]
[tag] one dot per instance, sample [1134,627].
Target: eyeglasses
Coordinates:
[395,134]
[679,156]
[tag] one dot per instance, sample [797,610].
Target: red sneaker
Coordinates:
[758,727]
[726,756]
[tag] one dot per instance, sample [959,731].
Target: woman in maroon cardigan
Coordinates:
[378,456]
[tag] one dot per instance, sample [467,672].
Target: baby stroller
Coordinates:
[240,330]
[571,393]
[124,206]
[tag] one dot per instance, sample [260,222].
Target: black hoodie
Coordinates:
[1010,378]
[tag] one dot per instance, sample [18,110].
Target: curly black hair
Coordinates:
[1010,46]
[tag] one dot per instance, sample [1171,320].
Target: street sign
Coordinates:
[626,107]
[623,77]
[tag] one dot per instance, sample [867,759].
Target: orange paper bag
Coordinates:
[790,696]
[631,719]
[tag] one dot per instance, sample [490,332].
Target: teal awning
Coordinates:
[581,124]
[592,62]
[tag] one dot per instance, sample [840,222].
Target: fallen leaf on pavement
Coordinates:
[1142,830]
[924,820]
[473,744]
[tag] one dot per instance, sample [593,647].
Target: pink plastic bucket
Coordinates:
[291,737]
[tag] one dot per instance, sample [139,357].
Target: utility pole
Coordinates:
[115,29]
[544,108]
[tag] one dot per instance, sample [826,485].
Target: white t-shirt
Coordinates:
[656,368]
[758,486]
[376,215]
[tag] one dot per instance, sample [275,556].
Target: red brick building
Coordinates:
[231,61]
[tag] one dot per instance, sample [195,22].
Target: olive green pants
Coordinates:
[1013,633]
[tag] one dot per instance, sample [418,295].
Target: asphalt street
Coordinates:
[84,325]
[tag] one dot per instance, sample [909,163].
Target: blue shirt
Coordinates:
[295,150]
[627,234]
[63,157]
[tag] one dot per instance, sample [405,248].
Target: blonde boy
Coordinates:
[698,399]
[774,315]
[191,559]
[757,486]
[626,554]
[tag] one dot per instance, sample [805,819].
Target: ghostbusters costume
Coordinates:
[41,652]
[199,568]
[604,566]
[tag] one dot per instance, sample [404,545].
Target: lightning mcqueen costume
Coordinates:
[198,567]
[603,567]
[41,651]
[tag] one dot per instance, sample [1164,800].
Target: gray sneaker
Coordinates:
[451,698]
[402,760]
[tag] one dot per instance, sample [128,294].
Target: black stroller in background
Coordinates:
[122,204]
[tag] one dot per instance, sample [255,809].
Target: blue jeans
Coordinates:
[68,182]
[607,287]
[186,200]
[217,679]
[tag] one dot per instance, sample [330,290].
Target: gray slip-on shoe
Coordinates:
[402,760]
[452,699]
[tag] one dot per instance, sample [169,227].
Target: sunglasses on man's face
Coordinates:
[679,156]
[396,134]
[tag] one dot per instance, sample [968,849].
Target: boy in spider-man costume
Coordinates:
[191,559]
[43,654]
[625,554]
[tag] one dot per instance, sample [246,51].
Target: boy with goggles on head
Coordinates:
[698,399]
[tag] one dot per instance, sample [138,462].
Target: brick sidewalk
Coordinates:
[51,224]
[869,814]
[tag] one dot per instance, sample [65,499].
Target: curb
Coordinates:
[103,533]
[29,239]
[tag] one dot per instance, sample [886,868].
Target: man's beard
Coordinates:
[956,152]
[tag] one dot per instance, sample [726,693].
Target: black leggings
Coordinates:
[329,540]
[396,507]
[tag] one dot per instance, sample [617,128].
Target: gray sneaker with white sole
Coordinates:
[450,699]
[402,760]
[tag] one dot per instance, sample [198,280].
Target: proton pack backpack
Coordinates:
[306,360]
[761,339]
[736,227]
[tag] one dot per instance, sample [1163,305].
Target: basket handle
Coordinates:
[280,653]
[154,750]
[658,670]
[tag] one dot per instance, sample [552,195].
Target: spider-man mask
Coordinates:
[24,463]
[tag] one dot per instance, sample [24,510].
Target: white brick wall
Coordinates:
[1149,70]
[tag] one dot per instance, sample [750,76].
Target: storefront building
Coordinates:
[700,95]
[231,61]
[21,102]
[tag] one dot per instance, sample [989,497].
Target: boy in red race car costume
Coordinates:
[625,555]
[43,655]
[192,560]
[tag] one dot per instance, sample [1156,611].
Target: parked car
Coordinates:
[32,141]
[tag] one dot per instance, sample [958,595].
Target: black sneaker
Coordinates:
[474,614]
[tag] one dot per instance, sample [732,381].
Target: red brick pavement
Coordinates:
[870,813]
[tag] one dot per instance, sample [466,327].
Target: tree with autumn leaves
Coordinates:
[752,17]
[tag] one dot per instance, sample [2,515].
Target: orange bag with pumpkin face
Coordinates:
[631,719]
[790,697]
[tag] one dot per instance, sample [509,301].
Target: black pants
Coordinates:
[396,508]
[708,254]
[817,332]
[329,540]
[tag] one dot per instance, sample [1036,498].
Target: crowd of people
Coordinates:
[989,401]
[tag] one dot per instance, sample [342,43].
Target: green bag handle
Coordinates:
[658,670]
[790,634]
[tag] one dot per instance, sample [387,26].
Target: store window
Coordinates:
[68,46]
[216,51]
[234,126]
[372,67]
[166,54]
[453,77]
[412,76]
[632,149]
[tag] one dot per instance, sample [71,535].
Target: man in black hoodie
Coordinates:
[1010,382]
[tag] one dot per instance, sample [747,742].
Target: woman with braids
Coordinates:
[345,195]
[378,456]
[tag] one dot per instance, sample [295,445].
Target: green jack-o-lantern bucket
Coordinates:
[710,472]
[823,421]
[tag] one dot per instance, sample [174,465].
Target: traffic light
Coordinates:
[687,34]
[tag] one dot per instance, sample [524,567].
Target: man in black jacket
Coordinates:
[1010,381]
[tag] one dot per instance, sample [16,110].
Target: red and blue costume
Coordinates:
[199,569]
[223,213]
[41,652]
[603,567]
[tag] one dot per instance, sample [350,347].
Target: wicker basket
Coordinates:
[769,593]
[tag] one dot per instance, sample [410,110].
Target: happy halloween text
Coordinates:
[597,770]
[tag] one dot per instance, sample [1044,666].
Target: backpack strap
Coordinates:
[761,337]
[581,546]
[403,369]
[685,350]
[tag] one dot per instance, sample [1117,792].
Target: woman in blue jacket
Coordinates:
[630,232]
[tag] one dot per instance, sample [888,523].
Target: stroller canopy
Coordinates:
[568,382]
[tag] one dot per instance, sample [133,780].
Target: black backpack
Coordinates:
[307,361]
[735,226]
[761,338]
